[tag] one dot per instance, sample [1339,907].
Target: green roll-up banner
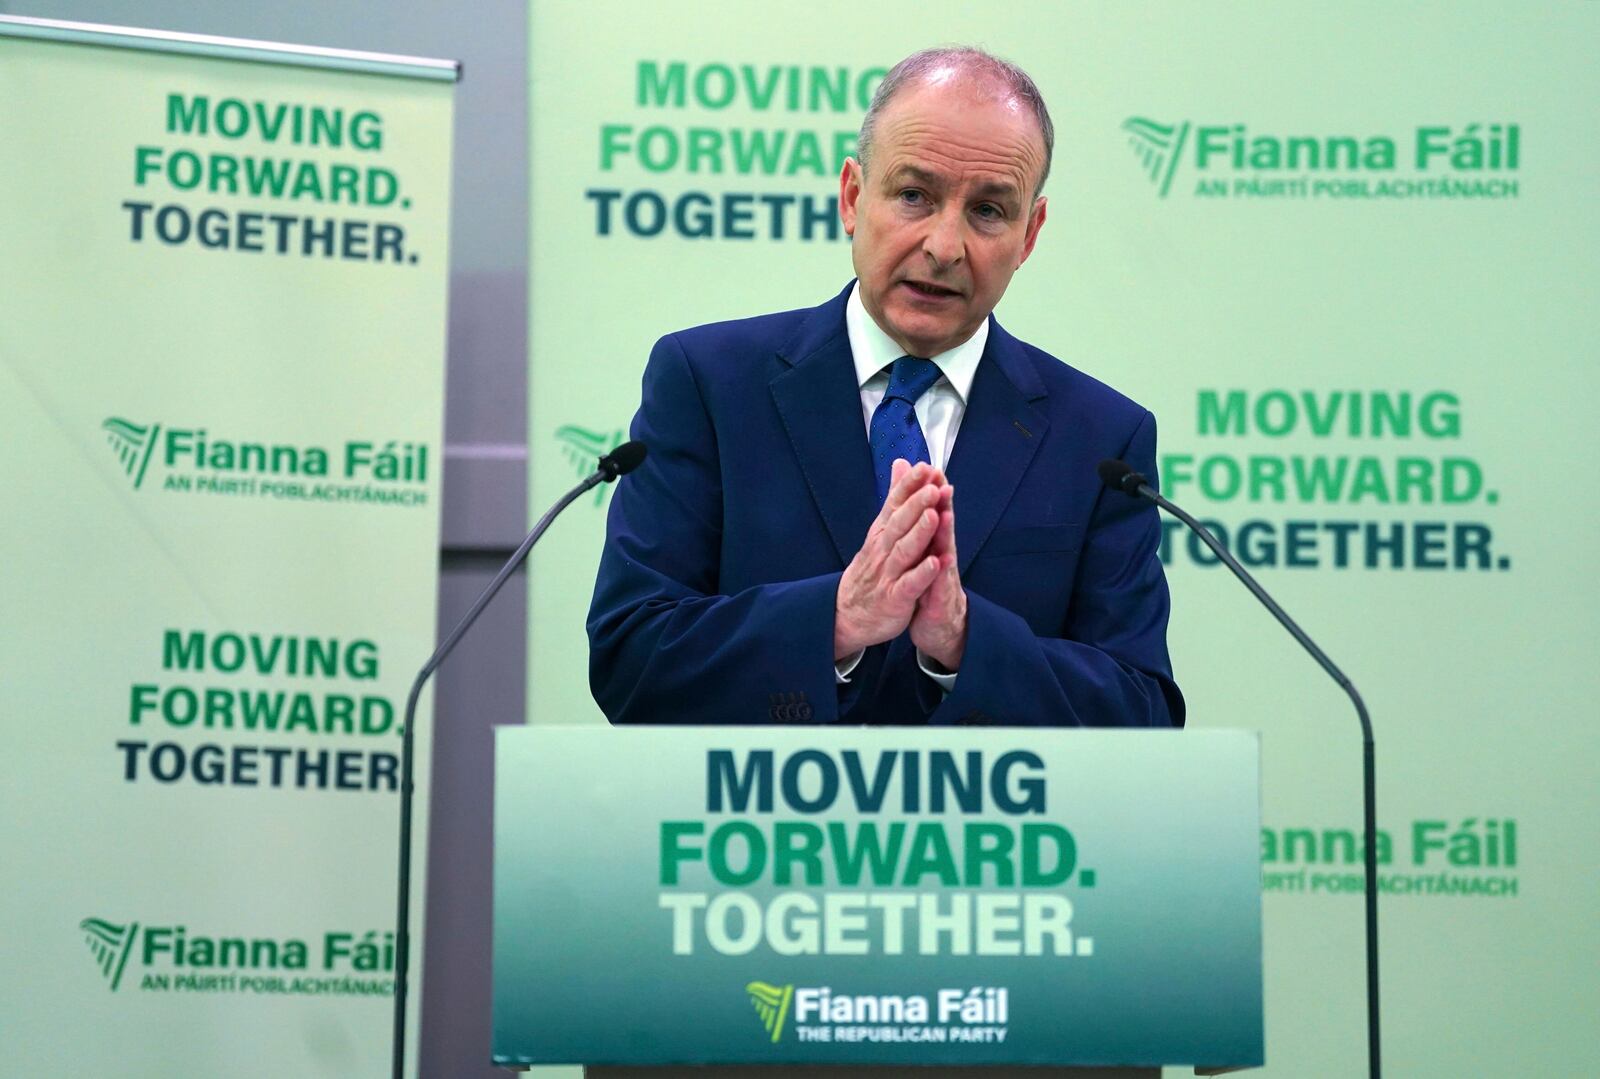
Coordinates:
[1345,255]
[222,312]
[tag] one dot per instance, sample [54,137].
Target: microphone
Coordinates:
[1121,476]
[619,462]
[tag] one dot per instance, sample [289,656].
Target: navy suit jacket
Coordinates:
[714,601]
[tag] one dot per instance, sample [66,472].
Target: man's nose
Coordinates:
[945,244]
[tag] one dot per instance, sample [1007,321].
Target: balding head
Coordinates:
[977,71]
[948,208]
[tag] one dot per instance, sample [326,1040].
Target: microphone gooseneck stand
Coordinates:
[622,460]
[1120,476]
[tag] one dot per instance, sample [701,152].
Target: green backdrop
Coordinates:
[221,394]
[1345,254]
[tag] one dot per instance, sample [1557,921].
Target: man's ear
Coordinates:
[1035,223]
[850,180]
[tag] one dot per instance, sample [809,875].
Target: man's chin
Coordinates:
[922,336]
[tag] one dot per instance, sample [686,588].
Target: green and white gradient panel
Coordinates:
[626,939]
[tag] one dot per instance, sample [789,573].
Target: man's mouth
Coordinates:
[929,290]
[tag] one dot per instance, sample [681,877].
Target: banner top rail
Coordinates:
[230,48]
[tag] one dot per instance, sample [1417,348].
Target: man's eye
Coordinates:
[911,196]
[989,211]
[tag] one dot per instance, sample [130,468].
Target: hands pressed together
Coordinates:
[905,573]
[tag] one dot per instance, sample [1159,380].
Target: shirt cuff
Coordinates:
[936,671]
[843,667]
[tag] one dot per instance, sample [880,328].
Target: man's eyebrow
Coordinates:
[917,175]
[994,189]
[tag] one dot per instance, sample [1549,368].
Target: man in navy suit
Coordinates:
[794,550]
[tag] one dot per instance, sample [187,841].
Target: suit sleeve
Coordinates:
[1110,667]
[664,645]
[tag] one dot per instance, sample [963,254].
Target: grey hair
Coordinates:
[970,61]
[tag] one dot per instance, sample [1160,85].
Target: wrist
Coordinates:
[949,656]
[847,640]
[949,646]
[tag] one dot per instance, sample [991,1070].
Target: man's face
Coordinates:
[947,213]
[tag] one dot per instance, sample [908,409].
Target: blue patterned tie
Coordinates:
[895,432]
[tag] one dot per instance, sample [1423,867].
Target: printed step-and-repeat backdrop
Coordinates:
[1345,255]
[222,308]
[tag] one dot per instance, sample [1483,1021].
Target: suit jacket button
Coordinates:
[789,708]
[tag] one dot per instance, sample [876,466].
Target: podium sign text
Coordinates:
[874,895]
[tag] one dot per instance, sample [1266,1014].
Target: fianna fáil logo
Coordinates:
[196,460]
[771,1003]
[110,945]
[1236,160]
[1158,147]
[177,959]
[132,444]
[582,447]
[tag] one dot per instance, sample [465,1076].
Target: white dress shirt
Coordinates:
[939,411]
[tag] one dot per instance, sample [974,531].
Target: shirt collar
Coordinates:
[873,350]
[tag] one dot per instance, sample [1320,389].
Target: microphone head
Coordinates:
[1120,476]
[622,460]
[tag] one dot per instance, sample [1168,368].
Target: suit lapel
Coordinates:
[1000,433]
[820,404]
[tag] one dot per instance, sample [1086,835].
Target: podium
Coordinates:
[833,902]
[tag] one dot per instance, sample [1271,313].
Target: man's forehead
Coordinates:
[939,97]
[975,119]
[925,147]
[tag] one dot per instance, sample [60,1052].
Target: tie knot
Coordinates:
[910,377]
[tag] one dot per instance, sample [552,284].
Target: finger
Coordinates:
[922,472]
[909,512]
[936,481]
[903,480]
[913,545]
[944,581]
[944,539]
[908,479]
[915,581]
